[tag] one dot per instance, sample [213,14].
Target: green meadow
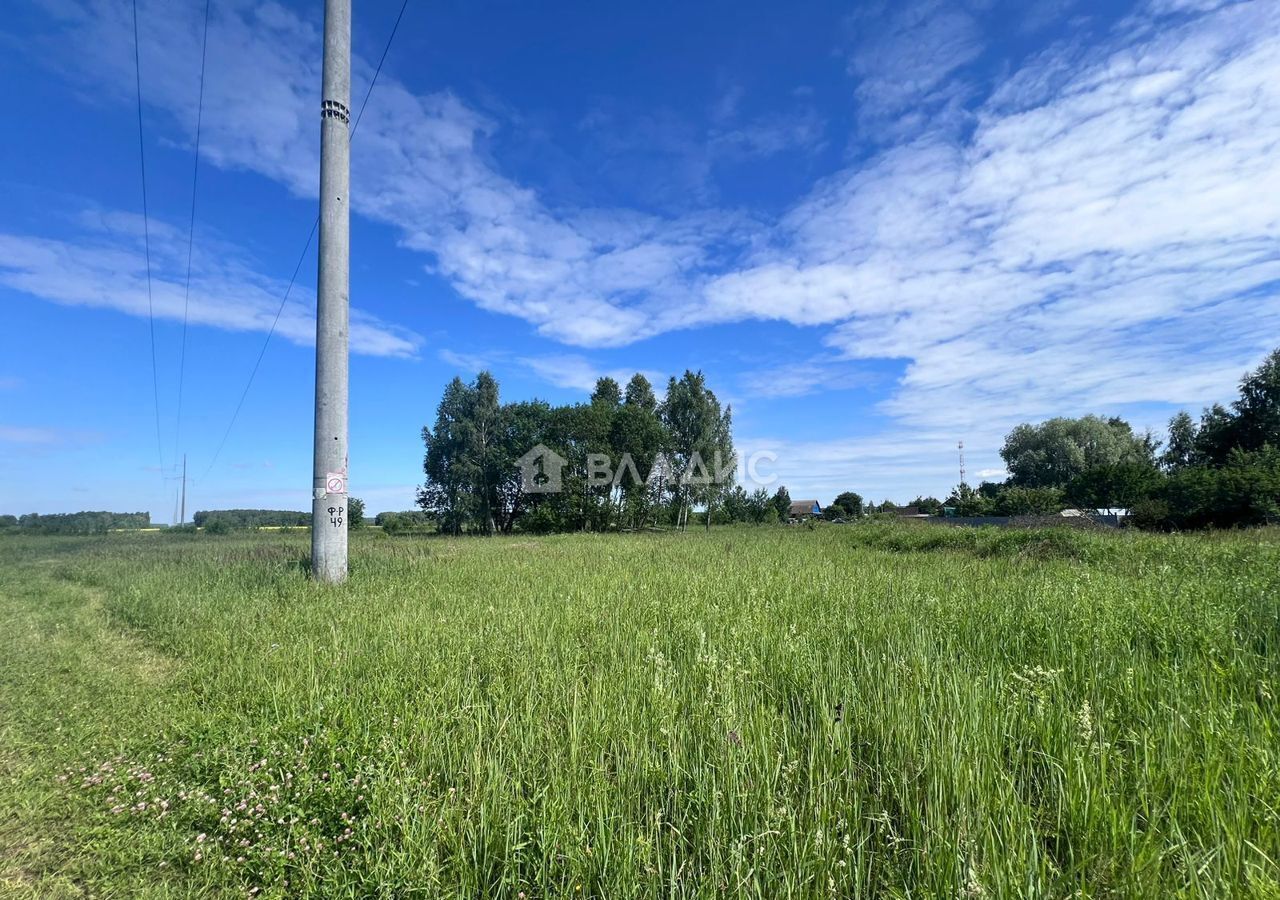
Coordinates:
[845,711]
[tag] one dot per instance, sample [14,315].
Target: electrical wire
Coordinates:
[146,236]
[310,237]
[191,232]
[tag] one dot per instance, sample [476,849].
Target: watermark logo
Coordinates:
[540,470]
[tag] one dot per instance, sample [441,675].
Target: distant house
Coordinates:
[910,512]
[804,509]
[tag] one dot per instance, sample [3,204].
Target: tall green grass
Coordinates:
[746,713]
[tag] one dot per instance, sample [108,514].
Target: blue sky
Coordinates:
[879,228]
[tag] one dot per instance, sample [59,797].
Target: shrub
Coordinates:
[1150,515]
[1244,492]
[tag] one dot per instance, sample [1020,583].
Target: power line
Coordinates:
[378,71]
[191,231]
[258,362]
[302,257]
[146,235]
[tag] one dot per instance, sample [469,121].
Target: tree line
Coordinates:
[670,462]
[83,522]
[220,519]
[237,519]
[1222,470]
[623,459]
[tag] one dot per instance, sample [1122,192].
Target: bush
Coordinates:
[1150,515]
[1028,501]
[394,522]
[1244,492]
[541,519]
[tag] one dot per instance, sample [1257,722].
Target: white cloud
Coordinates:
[40,436]
[1104,232]
[468,363]
[18,434]
[1111,244]
[569,370]
[105,267]
[804,376]
[581,276]
[906,58]
[768,135]
[564,370]
[897,467]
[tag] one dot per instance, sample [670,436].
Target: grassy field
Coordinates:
[847,711]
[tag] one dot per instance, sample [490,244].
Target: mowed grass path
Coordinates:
[847,711]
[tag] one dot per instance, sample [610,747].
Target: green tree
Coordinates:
[618,450]
[525,425]
[735,506]
[1016,500]
[1054,452]
[574,433]
[847,505]
[483,456]
[929,505]
[782,503]
[640,393]
[1216,436]
[467,459]
[597,422]
[968,502]
[1252,423]
[1257,412]
[992,489]
[393,522]
[83,522]
[1150,515]
[252,518]
[1180,450]
[1243,491]
[445,492]
[607,392]
[638,438]
[355,512]
[1119,485]
[760,507]
[700,443]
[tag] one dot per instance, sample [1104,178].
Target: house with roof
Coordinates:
[803,509]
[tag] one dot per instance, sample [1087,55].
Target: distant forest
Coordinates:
[87,522]
[250,518]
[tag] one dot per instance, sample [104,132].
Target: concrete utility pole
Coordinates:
[329,486]
[182,519]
